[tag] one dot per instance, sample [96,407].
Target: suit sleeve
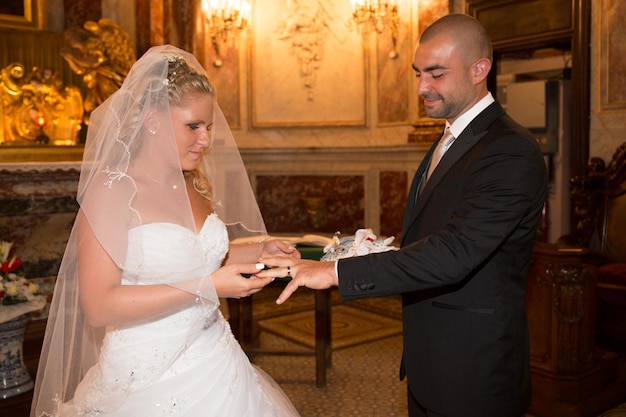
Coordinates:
[494,196]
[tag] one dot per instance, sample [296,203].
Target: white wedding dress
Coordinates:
[186,364]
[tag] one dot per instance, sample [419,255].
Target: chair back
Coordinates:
[599,207]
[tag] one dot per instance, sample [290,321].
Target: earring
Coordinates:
[152,132]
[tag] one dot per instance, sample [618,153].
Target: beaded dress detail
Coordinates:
[185,364]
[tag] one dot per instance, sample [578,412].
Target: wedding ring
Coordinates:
[289,271]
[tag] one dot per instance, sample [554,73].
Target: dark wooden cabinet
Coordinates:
[571,376]
[561,309]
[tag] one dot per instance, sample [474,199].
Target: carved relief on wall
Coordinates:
[307,67]
[305,27]
[612,55]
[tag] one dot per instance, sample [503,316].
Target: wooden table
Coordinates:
[242,323]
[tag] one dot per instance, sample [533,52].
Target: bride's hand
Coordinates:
[230,283]
[276,247]
[304,273]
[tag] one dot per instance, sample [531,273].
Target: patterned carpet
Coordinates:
[363,379]
[304,300]
[350,326]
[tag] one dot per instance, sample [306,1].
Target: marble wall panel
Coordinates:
[394,58]
[311,203]
[353,188]
[37,210]
[393,192]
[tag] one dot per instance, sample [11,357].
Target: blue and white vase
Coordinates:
[14,377]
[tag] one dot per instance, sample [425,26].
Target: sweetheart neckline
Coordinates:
[194,232]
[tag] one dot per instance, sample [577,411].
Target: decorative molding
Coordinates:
[20,156]
[519,23]
[24,14]
[612,47]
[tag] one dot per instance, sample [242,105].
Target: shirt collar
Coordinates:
[464,120]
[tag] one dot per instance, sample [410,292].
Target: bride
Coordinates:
[134,327]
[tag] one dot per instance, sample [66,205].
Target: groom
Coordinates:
[468,234]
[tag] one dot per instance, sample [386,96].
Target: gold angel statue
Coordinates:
[102,53]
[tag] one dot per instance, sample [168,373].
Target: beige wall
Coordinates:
[370,133]
[388,82]
[607,131]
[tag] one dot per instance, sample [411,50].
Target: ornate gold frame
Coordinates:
[34,16]
[16,154]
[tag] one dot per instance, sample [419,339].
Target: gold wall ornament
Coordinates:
[35,108]
[379,16]
[102,53]
[225,20]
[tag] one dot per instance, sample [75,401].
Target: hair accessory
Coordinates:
[173,74]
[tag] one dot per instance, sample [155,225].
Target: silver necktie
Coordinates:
[441,148]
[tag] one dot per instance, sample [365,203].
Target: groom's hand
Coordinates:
[304,273]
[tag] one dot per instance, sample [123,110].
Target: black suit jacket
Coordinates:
[462,269]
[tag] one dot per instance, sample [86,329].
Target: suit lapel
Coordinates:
[415,186]
[470,136]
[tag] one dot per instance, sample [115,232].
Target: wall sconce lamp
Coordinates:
[377,15]
[225,20]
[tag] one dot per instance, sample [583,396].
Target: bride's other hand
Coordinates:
[304,273]
[230,283]
[246,252]
[276,247]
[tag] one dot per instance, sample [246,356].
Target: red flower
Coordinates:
[11,265]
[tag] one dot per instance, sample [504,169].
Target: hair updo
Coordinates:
[183,82]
